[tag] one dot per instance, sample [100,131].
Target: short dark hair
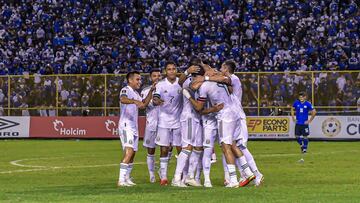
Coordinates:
[131,74]
[303,94]
[196,61]
[231,65]
[169,63]
[154,70]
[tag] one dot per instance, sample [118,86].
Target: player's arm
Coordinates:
[149,96]
[212,109]
[125,100]
[189,71]
[313,113]
[198,105]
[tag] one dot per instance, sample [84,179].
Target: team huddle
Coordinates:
[189,113]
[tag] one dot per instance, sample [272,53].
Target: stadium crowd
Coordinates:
[41,37]
[113,36]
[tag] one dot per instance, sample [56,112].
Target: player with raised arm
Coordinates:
[130,102]
[302,107]
[228,68]
[151,125]
[168,93]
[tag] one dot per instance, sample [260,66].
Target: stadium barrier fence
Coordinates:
[264,93]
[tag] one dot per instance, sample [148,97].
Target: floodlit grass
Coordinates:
[87,171]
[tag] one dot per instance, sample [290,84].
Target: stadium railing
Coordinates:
[264,93]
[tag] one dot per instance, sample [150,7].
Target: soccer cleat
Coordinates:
[303,151]
[246,181]
[123,184]
[192,182]
[163,182]
[259,180]
[177,183]
[241,179]
[232,185]
[226,182]
[130,182]
[207,184]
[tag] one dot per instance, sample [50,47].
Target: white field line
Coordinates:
[45,168]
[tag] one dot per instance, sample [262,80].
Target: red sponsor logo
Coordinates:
[253,123]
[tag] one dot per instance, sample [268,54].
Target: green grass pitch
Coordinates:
[87,171]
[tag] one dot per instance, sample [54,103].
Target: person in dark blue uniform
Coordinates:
[302,107]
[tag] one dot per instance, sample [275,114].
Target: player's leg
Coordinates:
[209,140]
[252,164]
[149,143]
[226,131]
[213,157]
[199,169]
[129,143]
[242,166]
[163,140]
[306,132]
[298,135]
[184,155]
[196,155]
[130,168]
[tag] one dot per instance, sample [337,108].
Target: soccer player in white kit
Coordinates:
[168,92]
[152,112]
[228,68]
[227,120]
[130,102]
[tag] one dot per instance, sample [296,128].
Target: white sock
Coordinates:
[150,160]
[128,173]
[245,167]
[123,172]
[181,162]
[238,166]
[163,167]
[186,170]
[193,163]
[226,170]
[250,160]
[232,173]
[199,167]
[207,163]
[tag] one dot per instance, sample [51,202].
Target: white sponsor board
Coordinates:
[14,126]
[335,127]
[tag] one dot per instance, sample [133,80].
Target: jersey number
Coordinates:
[171,100]
[225,87]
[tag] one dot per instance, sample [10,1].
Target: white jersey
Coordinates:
[151,111]
[129,112]
[237,92]
[218,93]
[188,110]
[236,84]
[170,110]
[209,120]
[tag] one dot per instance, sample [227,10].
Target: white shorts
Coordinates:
[210,135]
[149,138]
[227,131]
[242,132]
[168,137]
[191,133]
[129,137]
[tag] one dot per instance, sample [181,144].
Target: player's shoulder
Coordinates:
[161,82]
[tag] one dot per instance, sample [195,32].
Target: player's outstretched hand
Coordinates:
[186,93]
[193,69]
[153,86]
[218,107]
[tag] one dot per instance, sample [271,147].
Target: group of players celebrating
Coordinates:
[189,113]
